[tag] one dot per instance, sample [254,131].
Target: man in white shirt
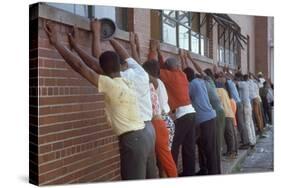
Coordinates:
[256,104]
[260,79]
[134,72]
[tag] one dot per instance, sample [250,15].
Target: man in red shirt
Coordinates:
[179,101]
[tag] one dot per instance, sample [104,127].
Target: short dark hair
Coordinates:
[238,76]
[209,73]
[152,68]
[190,74]
[245,77]
[109,62]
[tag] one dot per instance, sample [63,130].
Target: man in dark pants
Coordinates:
[179,101]
[122,111]
[209,78]
[205,119]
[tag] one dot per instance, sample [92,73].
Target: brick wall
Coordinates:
[75,144]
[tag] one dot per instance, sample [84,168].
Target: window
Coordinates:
[228,48]
[184,30]
[119,15]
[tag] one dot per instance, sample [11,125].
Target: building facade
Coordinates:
[70,141]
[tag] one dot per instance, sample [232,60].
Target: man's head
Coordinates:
[109,62]
[172,63]
[245,77]
[152,68]
[190,74]
[238,76]
[260,75]
[209,73]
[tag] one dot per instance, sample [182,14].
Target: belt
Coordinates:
[129,132]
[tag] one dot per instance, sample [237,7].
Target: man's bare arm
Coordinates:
[196,65]
[90,61]
[134,47]
[69,57]
[95,26]
[120,50]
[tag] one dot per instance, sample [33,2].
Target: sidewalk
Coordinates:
[259,159]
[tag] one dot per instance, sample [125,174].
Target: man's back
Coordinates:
[121,104]
[244,91]
[176,84]
[200,101]
[139,77]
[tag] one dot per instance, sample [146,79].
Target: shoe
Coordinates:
[230,156]
[244,146]
[253,146]
[202,172]
[225,154]
[263,136]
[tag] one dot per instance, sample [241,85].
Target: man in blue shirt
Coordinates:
[205,119]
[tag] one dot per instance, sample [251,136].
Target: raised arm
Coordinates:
[95,26]
[135,47]
[69,57]
[155,53]
[90,61]
[184,63]
[196,65]
[255,77]
[120,50]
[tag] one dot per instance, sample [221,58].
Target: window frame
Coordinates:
[91,13]
[191,33]
[232,47]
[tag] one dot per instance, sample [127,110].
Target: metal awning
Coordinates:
[227,23]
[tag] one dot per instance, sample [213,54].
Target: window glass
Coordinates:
[183,37]
[194,42]
[203,42]
[183,17]
[169,31]
[81,10]
[170,13]
[66,7]
[105,12]
[221,54]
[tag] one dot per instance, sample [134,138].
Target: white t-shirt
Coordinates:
[140,78]
[182,110]
[162,97]
[261,81]
[254,89]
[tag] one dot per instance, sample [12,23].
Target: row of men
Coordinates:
[141,98]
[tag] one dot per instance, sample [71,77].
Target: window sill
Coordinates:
[57,15]
[175,50]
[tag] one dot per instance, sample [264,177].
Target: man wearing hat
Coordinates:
[261,79]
